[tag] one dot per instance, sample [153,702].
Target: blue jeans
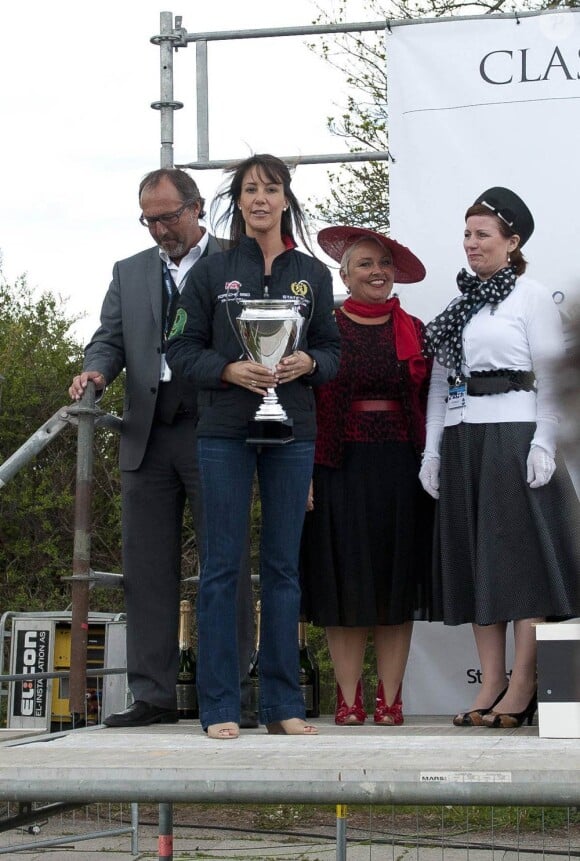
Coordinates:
[227,468]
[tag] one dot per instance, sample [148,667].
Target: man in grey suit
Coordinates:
[158,445]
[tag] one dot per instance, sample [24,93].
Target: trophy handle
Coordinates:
[297,338]
[304,322]
[245,351]
[300,324]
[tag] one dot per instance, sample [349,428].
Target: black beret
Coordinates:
[510,208]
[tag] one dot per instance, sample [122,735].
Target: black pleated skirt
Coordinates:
[502,550]
[366,547]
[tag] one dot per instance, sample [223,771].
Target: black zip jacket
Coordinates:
[205,336]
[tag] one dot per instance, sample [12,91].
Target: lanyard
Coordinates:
[172,297]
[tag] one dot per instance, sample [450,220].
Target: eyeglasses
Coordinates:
[166,218]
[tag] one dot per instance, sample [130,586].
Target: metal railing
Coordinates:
[86,417]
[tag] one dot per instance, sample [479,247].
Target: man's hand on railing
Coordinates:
[79,383]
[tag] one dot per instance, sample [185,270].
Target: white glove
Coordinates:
[540,466]
[429,475]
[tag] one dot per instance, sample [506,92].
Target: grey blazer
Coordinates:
[130,337]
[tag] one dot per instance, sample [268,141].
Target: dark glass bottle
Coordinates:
[253,669]
[309,675]
[185,687]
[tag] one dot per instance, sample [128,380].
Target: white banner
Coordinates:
[477,103]
[443,674]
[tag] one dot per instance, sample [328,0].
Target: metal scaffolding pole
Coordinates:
[341,832]
[166,104]
[85,412]
[171,38]
[166,832]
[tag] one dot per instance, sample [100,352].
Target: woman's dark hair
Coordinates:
[517,260]
[271,169]
[185,186]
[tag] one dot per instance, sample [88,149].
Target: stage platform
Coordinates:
[426,761]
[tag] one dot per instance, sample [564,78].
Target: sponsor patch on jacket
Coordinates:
[178,323]
[232,286]
[300,288]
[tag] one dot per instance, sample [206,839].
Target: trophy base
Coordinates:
[270,432]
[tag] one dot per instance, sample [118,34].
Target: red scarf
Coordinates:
[407,345]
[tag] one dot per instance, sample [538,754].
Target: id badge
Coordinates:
[456,398]
[165,375]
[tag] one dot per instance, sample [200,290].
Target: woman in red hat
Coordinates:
[365,558]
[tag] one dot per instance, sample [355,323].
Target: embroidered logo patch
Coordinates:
[233,286]
[300,288]
[179,323]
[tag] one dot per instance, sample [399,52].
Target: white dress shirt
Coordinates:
[180,272]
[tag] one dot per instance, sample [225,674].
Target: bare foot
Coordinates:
[291,726]
[223,730]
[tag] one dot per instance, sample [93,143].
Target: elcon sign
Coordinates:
[30,698]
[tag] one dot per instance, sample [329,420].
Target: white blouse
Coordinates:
[523,332]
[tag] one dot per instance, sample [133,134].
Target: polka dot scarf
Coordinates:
[445,332]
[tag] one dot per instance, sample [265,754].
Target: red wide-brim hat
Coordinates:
[335,240]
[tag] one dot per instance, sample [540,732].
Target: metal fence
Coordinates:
[305,833]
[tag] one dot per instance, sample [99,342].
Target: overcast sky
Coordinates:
[78,132]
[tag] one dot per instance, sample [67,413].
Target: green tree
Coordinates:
[38,357]
[359,191]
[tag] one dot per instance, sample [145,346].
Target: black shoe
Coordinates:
[248,719]
[512,720]
[475,716]
[141,714]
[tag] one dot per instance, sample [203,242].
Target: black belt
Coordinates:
[497,382]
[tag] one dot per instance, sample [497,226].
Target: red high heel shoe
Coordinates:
[353,715]
[388,715]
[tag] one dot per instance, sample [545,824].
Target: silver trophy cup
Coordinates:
[270,330]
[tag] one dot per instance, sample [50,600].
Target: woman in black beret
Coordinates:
[506,508]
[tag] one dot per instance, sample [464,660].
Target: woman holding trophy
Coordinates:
[256,414]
